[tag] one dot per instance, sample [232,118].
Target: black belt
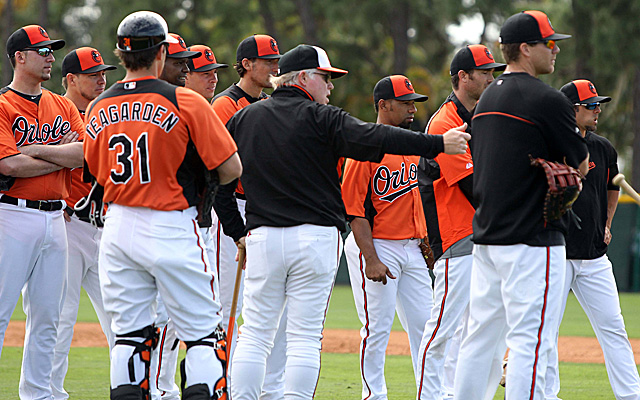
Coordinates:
[35,204]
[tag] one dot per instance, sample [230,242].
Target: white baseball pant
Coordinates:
[410,294]
[34,259]
[84,245]
[450,305]
[293,265]
[145,252]
[515,296]
[594,285]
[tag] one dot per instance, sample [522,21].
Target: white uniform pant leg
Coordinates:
[414,297]
[552,375]
[451,359]
[164,358]
[451,301]
[273,387]
[43,296]
[375,304]
[529,283]
[484,337]
[84,244]
[596,290]
[174,263]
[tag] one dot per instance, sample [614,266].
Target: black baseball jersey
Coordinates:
[588,243]
[518,117]
[290,146]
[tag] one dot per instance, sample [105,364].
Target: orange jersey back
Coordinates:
[387,194]
[148,143]
[45,119]
[230,101]
[454,211]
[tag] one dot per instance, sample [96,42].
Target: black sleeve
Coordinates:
[365,141]
[557,121]
[612,157]
[226,209]
[466,185]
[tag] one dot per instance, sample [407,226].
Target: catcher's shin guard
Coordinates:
[142,341]
[200,391]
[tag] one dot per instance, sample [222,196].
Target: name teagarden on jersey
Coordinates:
[131,111]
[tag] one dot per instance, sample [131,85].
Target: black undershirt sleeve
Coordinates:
[226,209]
[466,185]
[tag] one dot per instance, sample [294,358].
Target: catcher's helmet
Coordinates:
[142,30]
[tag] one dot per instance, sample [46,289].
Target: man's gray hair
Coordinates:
[289,79]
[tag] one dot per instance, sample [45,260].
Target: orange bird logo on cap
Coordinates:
[96,56]
[407,83]
[274,45]
[592,88]
[488,53]
[43,32]
[181,43]
[208,55]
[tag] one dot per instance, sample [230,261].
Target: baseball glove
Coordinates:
[565,184]
[427,253]
[6,182]
[206,203]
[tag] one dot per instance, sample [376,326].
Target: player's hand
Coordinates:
[66,216]
[377,271]
[607,235]
[455,140]
[241,243]
[70,137]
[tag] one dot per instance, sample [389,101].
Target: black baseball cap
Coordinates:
[205,62]
[396,87]
[305,56]
[475,56]
[84,60]
[258,46]
[31,36]
[529,26]
[582,91]
[179,49]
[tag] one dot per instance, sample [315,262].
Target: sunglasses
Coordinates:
[325,77]
[590,106]
[551,44]
[42,51]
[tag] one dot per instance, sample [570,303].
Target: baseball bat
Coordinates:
[234,302]
[619,180]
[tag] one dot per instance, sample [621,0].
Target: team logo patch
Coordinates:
[208,55]
[488,53]
[182,43]
[407,83]
[96,56]
[274,45]
[592,88]
[43,32]
[592,165]
[391,185]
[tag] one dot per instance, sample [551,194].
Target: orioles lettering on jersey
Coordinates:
[131,111]
[398,181]
[27,133]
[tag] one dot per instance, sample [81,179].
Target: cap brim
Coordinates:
[209,67]
[270,57]
[496,66]
[557,36]
[413,96]
[596,99]
[55,44]
[335,72]
[184,54]
[98,68]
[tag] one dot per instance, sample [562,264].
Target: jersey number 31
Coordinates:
[124,146]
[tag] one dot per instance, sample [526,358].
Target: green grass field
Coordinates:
[88,376]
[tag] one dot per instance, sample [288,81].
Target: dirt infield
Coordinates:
[572,349]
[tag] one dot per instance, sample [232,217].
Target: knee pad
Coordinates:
[217,340]
[149,336]
[126,392]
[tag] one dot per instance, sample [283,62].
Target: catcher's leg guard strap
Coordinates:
[142,341]
[206,368]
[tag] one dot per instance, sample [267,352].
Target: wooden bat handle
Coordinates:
[619,180]
[234,302]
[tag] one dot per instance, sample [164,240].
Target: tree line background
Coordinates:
[372,39]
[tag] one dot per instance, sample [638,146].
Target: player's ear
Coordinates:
[246,64]
[383,105]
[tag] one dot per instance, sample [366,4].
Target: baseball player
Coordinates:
[203,71]
[384,209]
[291,144]
[518,257]
[588,270]
[149,144]
[39,133]
[164,358]
[84,78]
[256,62]
[449,207]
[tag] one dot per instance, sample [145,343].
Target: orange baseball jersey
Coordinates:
[148,143]
[387,194]
[79,188]
[230,101]
[454,212]
[43,119]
